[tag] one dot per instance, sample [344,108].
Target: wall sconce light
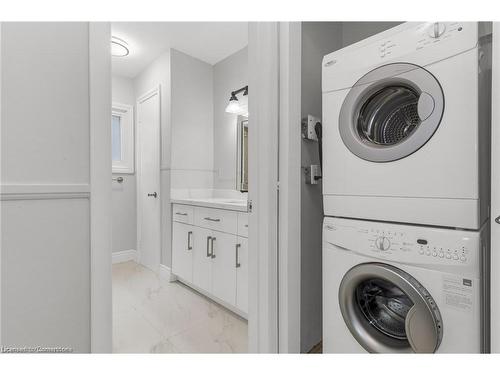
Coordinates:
[235,106]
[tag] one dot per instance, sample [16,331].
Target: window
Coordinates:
[122,138]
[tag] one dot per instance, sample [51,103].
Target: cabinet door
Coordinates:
[202,260]
[242,274]
[223,267]
[182,250]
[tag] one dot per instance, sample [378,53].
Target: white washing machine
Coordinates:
[391,288]
[406,119]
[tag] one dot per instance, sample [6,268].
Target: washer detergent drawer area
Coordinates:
[376,299]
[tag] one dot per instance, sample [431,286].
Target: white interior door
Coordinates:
[148,179]
[495,192]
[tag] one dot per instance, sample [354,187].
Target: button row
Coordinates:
[442,254]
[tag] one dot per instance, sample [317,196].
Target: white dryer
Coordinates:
[406,119]
[390,288]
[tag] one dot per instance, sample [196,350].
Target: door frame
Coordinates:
[495,191]
[148,94]
[263,62]
[100,187]
[289,248]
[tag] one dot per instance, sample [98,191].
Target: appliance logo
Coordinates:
[467,282]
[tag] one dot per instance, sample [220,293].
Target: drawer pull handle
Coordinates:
[208,247]
[210,219]
[213,252]
[238,264]
[190,233]
[181,213]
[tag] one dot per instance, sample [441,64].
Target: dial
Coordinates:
[436,29]
[382,243]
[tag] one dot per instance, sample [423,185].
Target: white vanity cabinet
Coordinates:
[210,252]
[182,250]
[242,274]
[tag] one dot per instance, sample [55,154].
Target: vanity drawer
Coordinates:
[183,214]
[221,220]
[242,224]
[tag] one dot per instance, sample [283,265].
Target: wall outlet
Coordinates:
[313,174]
[308,125]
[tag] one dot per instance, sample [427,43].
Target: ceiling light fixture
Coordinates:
[234,105]
[119,47]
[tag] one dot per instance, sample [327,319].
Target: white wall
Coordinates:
[192,122]
[124,199]
[229,74]
[45,155]
[318,39]
[158,74]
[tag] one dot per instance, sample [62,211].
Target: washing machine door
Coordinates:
[388,311]
[391,112]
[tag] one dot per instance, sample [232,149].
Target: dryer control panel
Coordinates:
[417,43]
[408,244]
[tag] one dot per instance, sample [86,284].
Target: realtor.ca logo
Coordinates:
[34,349]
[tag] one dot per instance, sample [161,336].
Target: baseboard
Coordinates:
[124,256]
[166,274]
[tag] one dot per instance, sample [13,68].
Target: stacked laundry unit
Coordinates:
[406,122]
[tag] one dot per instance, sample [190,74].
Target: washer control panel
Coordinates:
[404,243]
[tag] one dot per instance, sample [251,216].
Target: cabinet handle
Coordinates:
[181,213]
[208,246]
[190,233]
[213,252]
[210,219]
[238,265]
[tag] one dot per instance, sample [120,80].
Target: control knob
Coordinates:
[436,30]
[382,243]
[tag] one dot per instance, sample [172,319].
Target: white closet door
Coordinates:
[148,184]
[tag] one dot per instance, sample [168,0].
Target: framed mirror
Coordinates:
[242,152]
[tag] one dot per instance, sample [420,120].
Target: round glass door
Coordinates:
[388,311]
[391,112]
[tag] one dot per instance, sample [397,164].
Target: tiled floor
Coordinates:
[150,316]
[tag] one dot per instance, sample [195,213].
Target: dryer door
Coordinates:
[388,311]
[391,112]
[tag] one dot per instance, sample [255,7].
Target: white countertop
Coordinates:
[233,204]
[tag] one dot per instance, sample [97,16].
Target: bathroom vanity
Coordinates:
[210,249]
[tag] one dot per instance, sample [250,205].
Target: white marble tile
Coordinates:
[220,332]
[132,333]
[150,316]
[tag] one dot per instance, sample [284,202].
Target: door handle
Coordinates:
[213,253]
[155,194]
[208,247]
[238,265]
[497,220]
[190,233]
